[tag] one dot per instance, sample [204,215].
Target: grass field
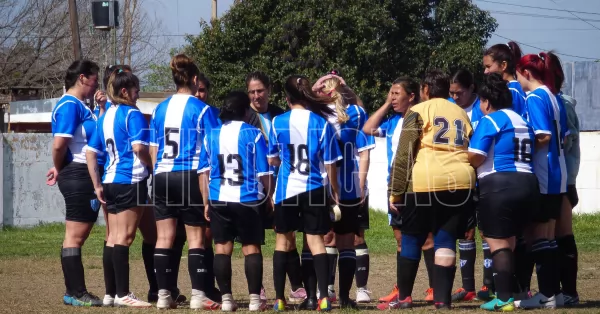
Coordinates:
[31,278]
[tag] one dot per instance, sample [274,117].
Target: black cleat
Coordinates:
[348,304]
[152,296]
[442,306]
[309,304]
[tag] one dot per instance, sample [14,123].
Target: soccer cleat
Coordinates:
[497,305]
[199,301]
[152,296]
[279,305]
[263,294]
[256,304]
[86,299]
[131,300]
[440,306]
[108,301]
[560,300]
[309,304]
[348,304]
[571,300]
[390,297]
[227,303]
[363,295]
[429,296]
[463,295]
[396,304]
[324,305]
[485,294]
[165,301]
[538,301]
[297,296]
[330,294]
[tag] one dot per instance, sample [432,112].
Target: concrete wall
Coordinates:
[27,200]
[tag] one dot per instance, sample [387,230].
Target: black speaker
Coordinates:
[101,15]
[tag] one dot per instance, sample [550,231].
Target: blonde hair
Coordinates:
[334,88]
[118,80]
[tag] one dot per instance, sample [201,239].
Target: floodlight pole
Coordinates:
[75,29]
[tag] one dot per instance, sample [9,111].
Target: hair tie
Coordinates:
[119,71]
[298,80]
[507,45]
[541,57]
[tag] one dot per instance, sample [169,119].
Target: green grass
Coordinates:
[44,241]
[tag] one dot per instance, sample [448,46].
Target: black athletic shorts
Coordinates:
[426,212]
[572,195]
[363,215]
[177,195]
[472,222]
[507,203]
[394,219]
[77,188]
[307,212]
[121,197]
[550,207]
[241,221]
[349,221]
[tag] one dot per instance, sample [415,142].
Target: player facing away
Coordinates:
[122,134]
[302,143]
[502,151]
[178,127]
[433,180]
[234,176]
[547,116]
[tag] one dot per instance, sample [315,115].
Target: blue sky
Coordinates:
[572,34]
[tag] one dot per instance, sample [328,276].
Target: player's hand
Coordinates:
[206,212]
[51,176]
[100,97]
[100,194]
[388,100]
[363,196]
[395,200]
[335,198]
[470,234]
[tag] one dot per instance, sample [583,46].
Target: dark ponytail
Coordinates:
[509,53]
[299,90]
[555,69]
[183,69]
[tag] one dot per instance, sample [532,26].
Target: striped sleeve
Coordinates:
[406,154]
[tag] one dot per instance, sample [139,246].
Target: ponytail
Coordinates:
[509,53]
[334,88]
[299,90]
[555,70]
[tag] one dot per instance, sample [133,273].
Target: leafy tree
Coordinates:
[370,41]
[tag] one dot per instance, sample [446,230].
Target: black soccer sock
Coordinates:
[223,273]
[162,268]
[109,270]
[429,258]
[121,266]
[293,269]
[503,260]
[468,253]
[362,265]
[253,266]
[322,271]
[444,278]
[542,257]
[332,257]
[209,258]
[148,256]
[568,264]
[555,264]
[176,254]
[196,268]
[279,263]
[347,265]
[309,276]
[523,266]
[73,271]
[488,270]
[406,272]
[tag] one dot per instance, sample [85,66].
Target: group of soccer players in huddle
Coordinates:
[501,155]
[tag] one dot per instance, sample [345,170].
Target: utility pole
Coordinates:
[214,10]
[75,29]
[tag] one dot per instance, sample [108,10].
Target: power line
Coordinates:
[539,8]
[542,49]
[588,23]
[541,16]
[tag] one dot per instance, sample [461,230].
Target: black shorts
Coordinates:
[394,219]
[426,212]
[307,212]
[472,221]
[177,195]
[77,188]
[550,207]
[572,195]
[507,202]
[349,221]
[240,221]
[363,215]
[121,197]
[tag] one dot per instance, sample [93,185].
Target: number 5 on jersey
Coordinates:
[171,150]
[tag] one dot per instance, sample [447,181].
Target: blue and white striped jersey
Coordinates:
[518,97]
[544,113]
[506,140]
[178,126]
[236,155]
[474,112]
[304,142]
[72,118]
[118,129]
[391,128]
[101,157]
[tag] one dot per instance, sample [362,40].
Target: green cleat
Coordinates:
[497,305]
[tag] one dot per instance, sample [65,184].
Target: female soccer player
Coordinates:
[72,125]
[178,127]
[501,149]
[234,176]
[122,134]
[502,59]
[536,73]
[433,154]
[301,143]
[403,94]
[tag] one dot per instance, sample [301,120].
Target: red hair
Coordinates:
[544,67]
